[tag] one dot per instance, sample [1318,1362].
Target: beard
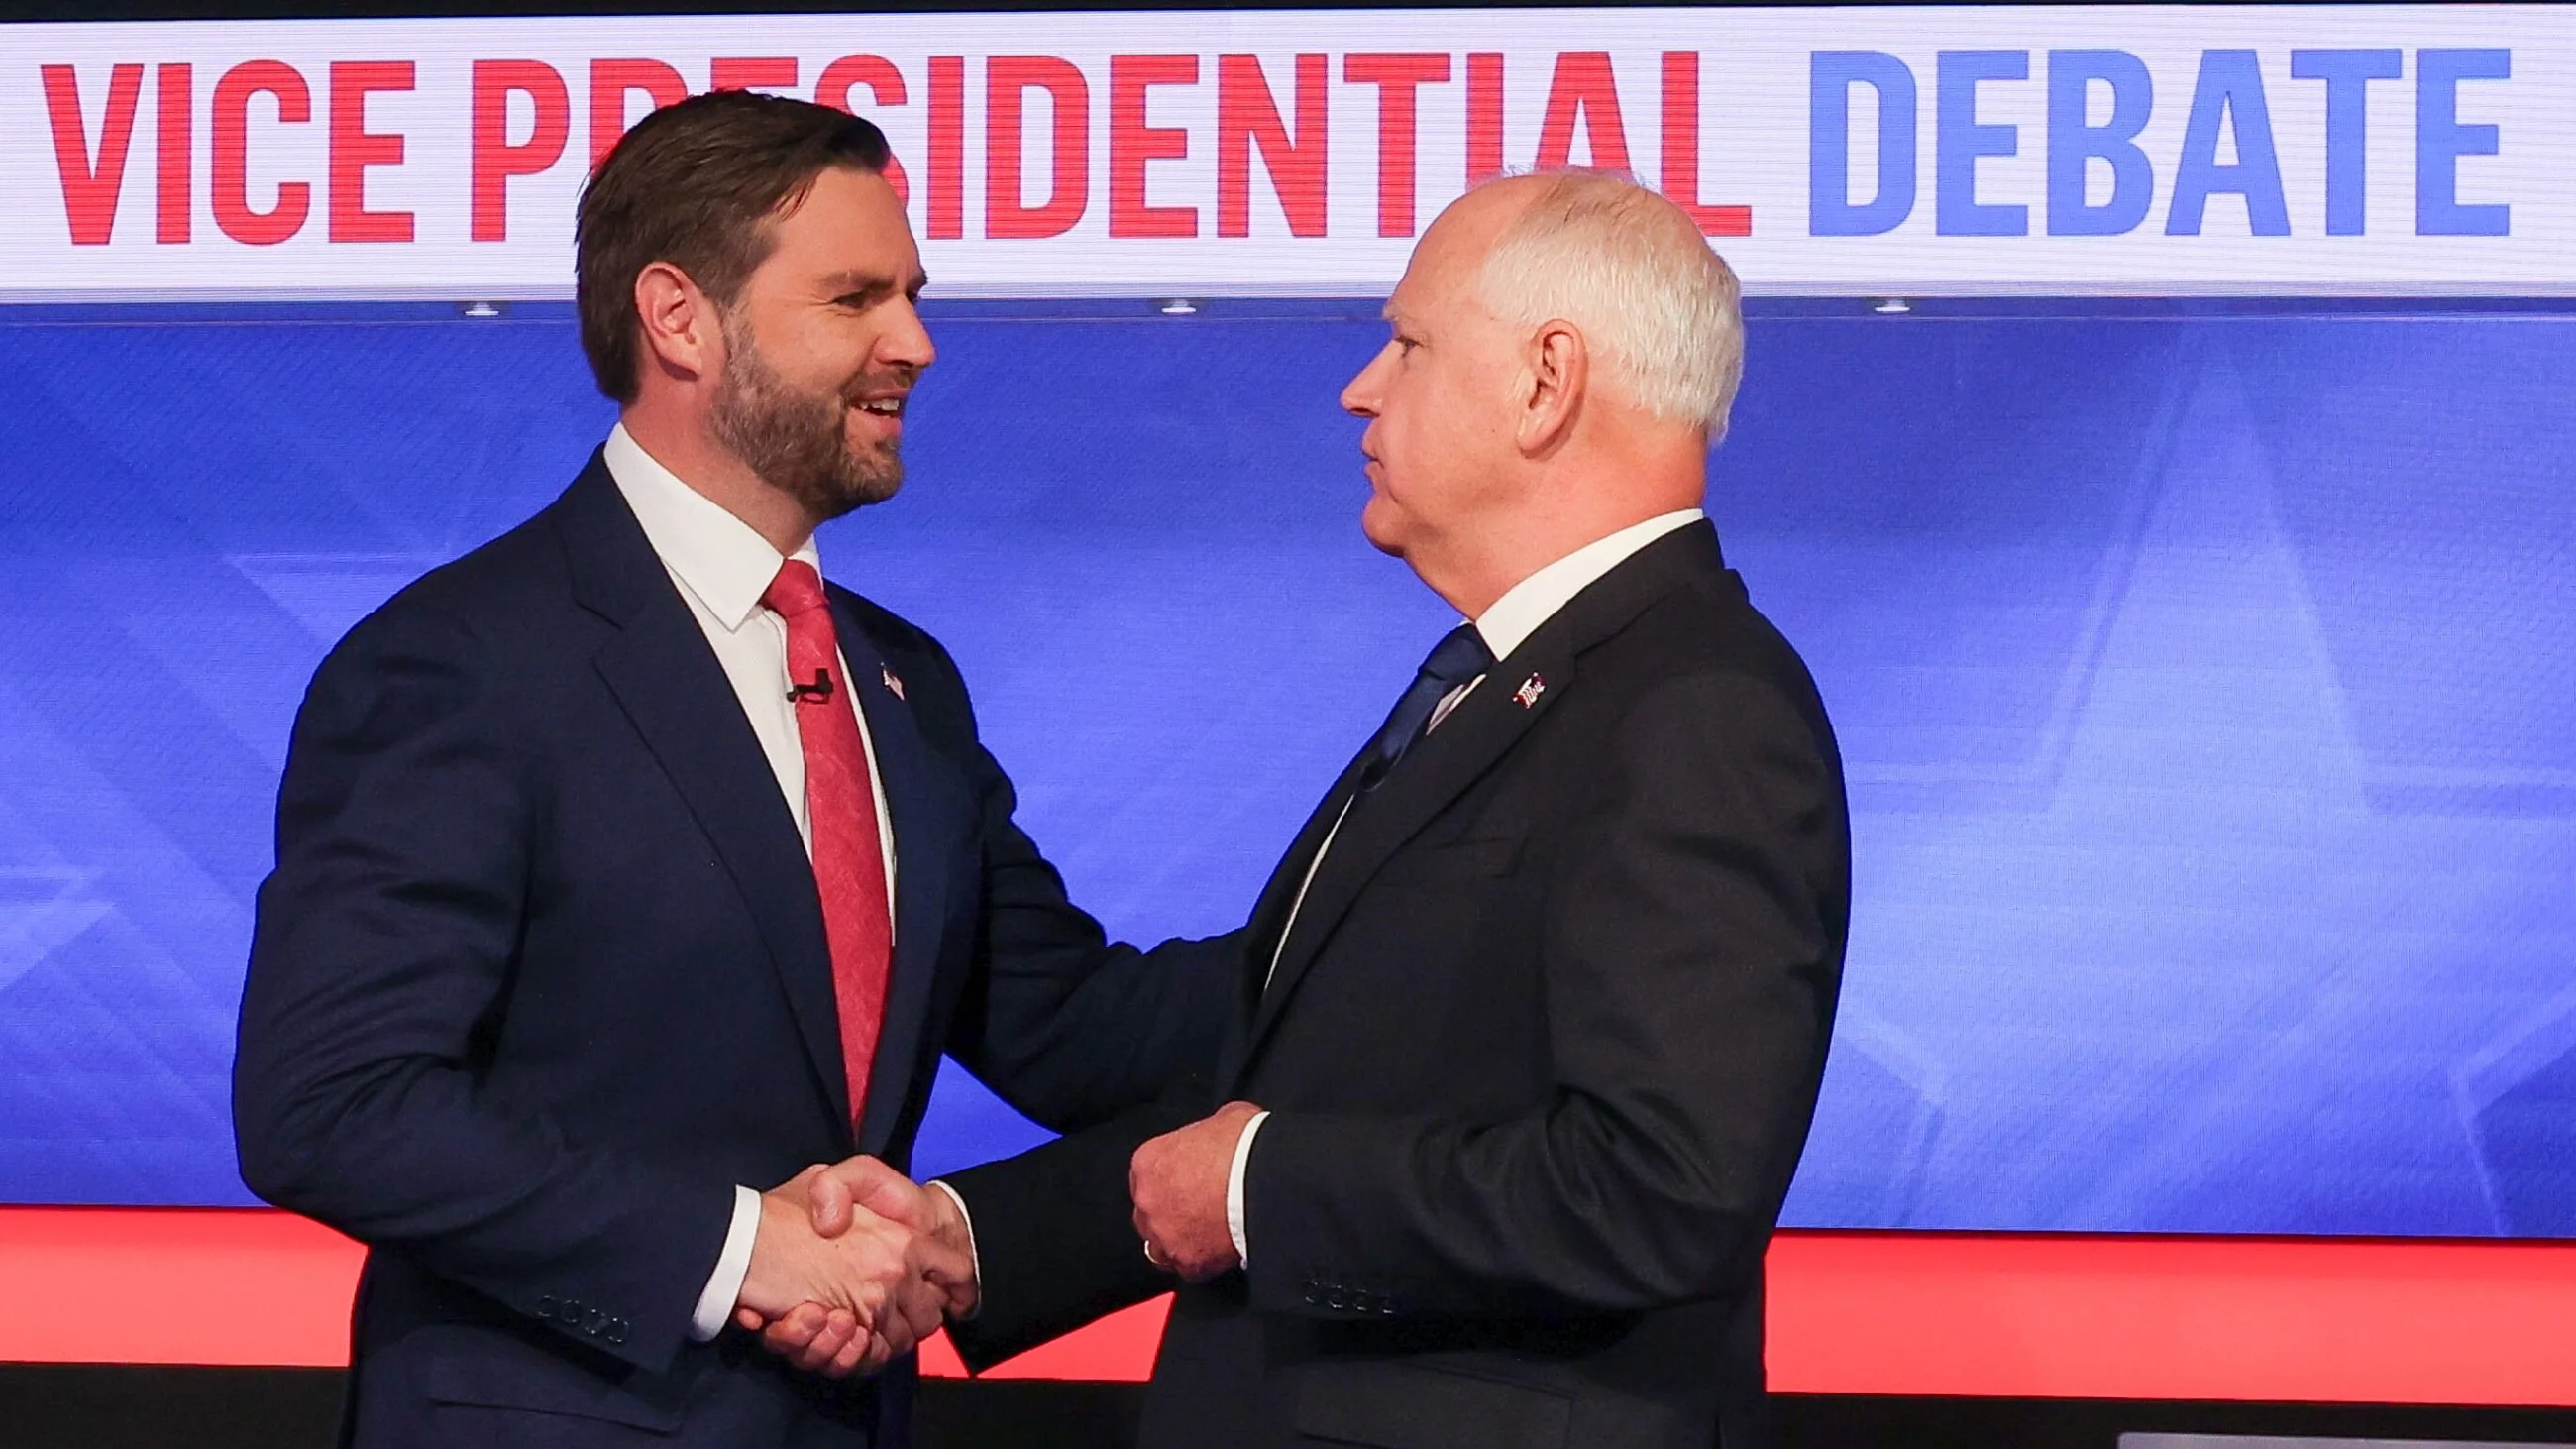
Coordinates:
[795,440]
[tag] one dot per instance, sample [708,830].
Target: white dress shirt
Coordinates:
[721,566]
[1504,626]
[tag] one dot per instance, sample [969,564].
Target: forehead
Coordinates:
[848,219]
[1429,282]
[1445,261]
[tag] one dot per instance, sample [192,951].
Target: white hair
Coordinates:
[1659,309]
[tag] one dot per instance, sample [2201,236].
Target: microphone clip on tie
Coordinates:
[820,691]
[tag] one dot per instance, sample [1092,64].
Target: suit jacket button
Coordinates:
[1314,1297]
[546,1307]
[1341,1298]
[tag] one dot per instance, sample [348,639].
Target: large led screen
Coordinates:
[2156,436]
[2203,673]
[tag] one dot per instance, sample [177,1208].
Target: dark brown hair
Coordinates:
[695,184]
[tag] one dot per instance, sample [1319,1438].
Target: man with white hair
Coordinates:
[1534,1010]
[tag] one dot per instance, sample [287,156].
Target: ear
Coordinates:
[683,337]
[1558,380]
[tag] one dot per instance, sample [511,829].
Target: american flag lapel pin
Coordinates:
[1531,688]
[893,685]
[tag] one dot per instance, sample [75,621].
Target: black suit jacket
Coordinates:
[1542,1049]
[541,976]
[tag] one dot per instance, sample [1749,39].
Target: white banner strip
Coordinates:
[2414,150]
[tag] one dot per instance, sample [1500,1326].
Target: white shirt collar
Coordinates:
[1535,600]
[714,555]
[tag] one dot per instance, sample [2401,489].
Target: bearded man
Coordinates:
[625,867]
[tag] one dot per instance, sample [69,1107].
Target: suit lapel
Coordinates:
[1270,911]
[1443,764]
[924,808]
[677,696]
[1436,771]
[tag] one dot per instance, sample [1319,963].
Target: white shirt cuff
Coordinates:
[724,1285]
[974,1259]
[1234,1187]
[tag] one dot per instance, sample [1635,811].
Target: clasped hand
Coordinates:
[1177,1183]
[852,1266]
[855,1264]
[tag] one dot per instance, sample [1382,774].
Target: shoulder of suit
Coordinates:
[1707,626]
[1705,617]
[494,591]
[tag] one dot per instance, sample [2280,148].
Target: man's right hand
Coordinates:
[849,1194]
[851,1300]
[865,1185]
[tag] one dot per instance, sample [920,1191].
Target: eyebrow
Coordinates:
[870,287]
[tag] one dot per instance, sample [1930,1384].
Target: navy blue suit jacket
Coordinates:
[540,977]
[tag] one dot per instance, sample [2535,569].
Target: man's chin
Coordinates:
[869,475]
[1379,526]
[846,503]
[828,499]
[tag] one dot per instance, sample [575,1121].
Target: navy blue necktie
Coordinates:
[1457,658]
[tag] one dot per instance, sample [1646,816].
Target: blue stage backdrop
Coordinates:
[2208,683]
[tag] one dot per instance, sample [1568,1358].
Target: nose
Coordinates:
[906,342]
[1360,395]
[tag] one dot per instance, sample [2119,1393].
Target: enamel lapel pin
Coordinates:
[1531,688]
[893,685]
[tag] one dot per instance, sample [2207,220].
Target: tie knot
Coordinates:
[798,589]
[1458,658]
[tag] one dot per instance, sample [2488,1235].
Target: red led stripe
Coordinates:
[2319,1320]
[2008,1315]
[173,1285]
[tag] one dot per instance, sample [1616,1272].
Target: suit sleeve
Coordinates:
[380,959]
[1066,1026]
[1689,957]
[1055,1238]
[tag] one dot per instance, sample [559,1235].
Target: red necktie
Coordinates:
[841,813]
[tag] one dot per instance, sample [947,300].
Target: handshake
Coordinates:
[852,1266]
